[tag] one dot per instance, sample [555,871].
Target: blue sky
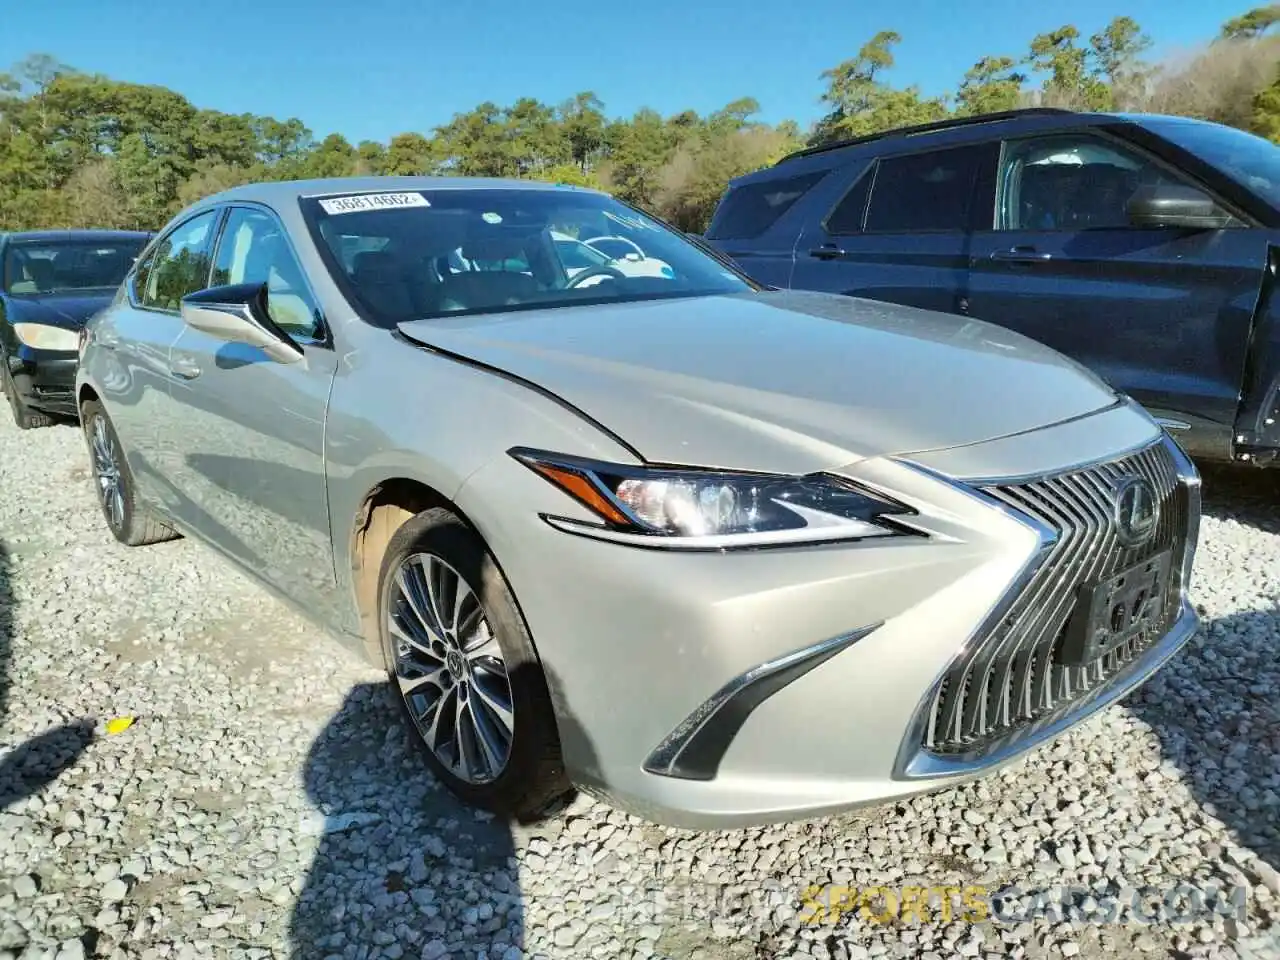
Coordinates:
[372,68]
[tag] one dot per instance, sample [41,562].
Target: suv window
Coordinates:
[850,212]
[926,191]
[748,211]
[253,249]
[179,265]
[1072,182]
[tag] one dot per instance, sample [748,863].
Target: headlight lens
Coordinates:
[44,337]
[710,509]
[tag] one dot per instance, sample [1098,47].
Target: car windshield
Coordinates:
[433,253]
[60,266]
[1250,160]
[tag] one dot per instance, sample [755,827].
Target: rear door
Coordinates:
[136,333]
[748,225]
[901,230]
[1163,314]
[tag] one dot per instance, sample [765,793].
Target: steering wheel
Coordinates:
[630,243]
[603,270]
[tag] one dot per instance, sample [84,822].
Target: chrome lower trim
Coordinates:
[924,765]
[694,749]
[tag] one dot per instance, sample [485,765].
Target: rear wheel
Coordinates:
[130,522]
[464,670]
[24,416]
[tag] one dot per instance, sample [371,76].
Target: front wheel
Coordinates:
[129,520]
[464,670]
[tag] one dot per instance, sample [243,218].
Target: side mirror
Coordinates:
[1175,205]
[238,314]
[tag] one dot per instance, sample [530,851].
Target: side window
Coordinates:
[179,264]
[850,212]
[1072,182]
[926,191]
[748,211]
[253,249]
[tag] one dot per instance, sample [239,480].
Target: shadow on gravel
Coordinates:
[27,768]
[1247,495]
[1216,714]
[425,873]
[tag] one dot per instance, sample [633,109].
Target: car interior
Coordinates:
[70,267]
[410,267]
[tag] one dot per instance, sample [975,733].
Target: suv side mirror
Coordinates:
[1175,205]
[238,314]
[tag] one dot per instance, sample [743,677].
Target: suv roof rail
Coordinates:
[946,124]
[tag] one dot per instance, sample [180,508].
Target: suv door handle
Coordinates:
[828,251]
[1024,254]
[184,368]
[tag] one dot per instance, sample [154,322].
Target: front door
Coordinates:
[1162,314]
[252,442]
[901,232]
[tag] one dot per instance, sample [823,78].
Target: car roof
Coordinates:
[23,236]
[951,131]
[280,192]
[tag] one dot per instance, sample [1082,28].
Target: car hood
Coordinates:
[782,380]
[70,310]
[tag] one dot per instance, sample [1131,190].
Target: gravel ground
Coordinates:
[266,804]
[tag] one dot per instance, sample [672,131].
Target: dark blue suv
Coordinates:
[1146,247]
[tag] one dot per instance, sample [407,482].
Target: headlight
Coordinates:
[44,337]
[706,509]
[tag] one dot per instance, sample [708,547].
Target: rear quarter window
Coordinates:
[749,210]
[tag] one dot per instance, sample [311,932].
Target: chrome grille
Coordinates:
[1008,684]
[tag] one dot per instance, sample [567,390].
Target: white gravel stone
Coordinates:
[203,829]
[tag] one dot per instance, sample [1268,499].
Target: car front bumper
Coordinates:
[45,379]
[716,690]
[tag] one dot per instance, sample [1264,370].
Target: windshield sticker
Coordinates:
[492,217]
[635,223]
[372,201]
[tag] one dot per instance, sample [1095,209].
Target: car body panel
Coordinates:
[1163,318]
[257,477]
[740,404]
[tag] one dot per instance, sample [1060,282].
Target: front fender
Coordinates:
[445,421]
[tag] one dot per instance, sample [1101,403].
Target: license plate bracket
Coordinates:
[1111,612]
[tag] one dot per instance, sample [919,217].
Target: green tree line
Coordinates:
[79,149]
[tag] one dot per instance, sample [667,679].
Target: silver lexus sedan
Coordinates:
[717,554]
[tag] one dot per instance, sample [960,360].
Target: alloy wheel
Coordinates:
[450,669]
[106,470]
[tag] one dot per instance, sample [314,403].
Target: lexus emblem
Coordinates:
[1137,511]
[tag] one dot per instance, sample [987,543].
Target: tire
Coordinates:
[130,521]
[532,778]
[24,416]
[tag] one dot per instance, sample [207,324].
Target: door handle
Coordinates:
[828,251]
[1021,255]
[184,368]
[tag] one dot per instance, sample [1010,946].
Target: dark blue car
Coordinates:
[51,282]
[1146,247]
